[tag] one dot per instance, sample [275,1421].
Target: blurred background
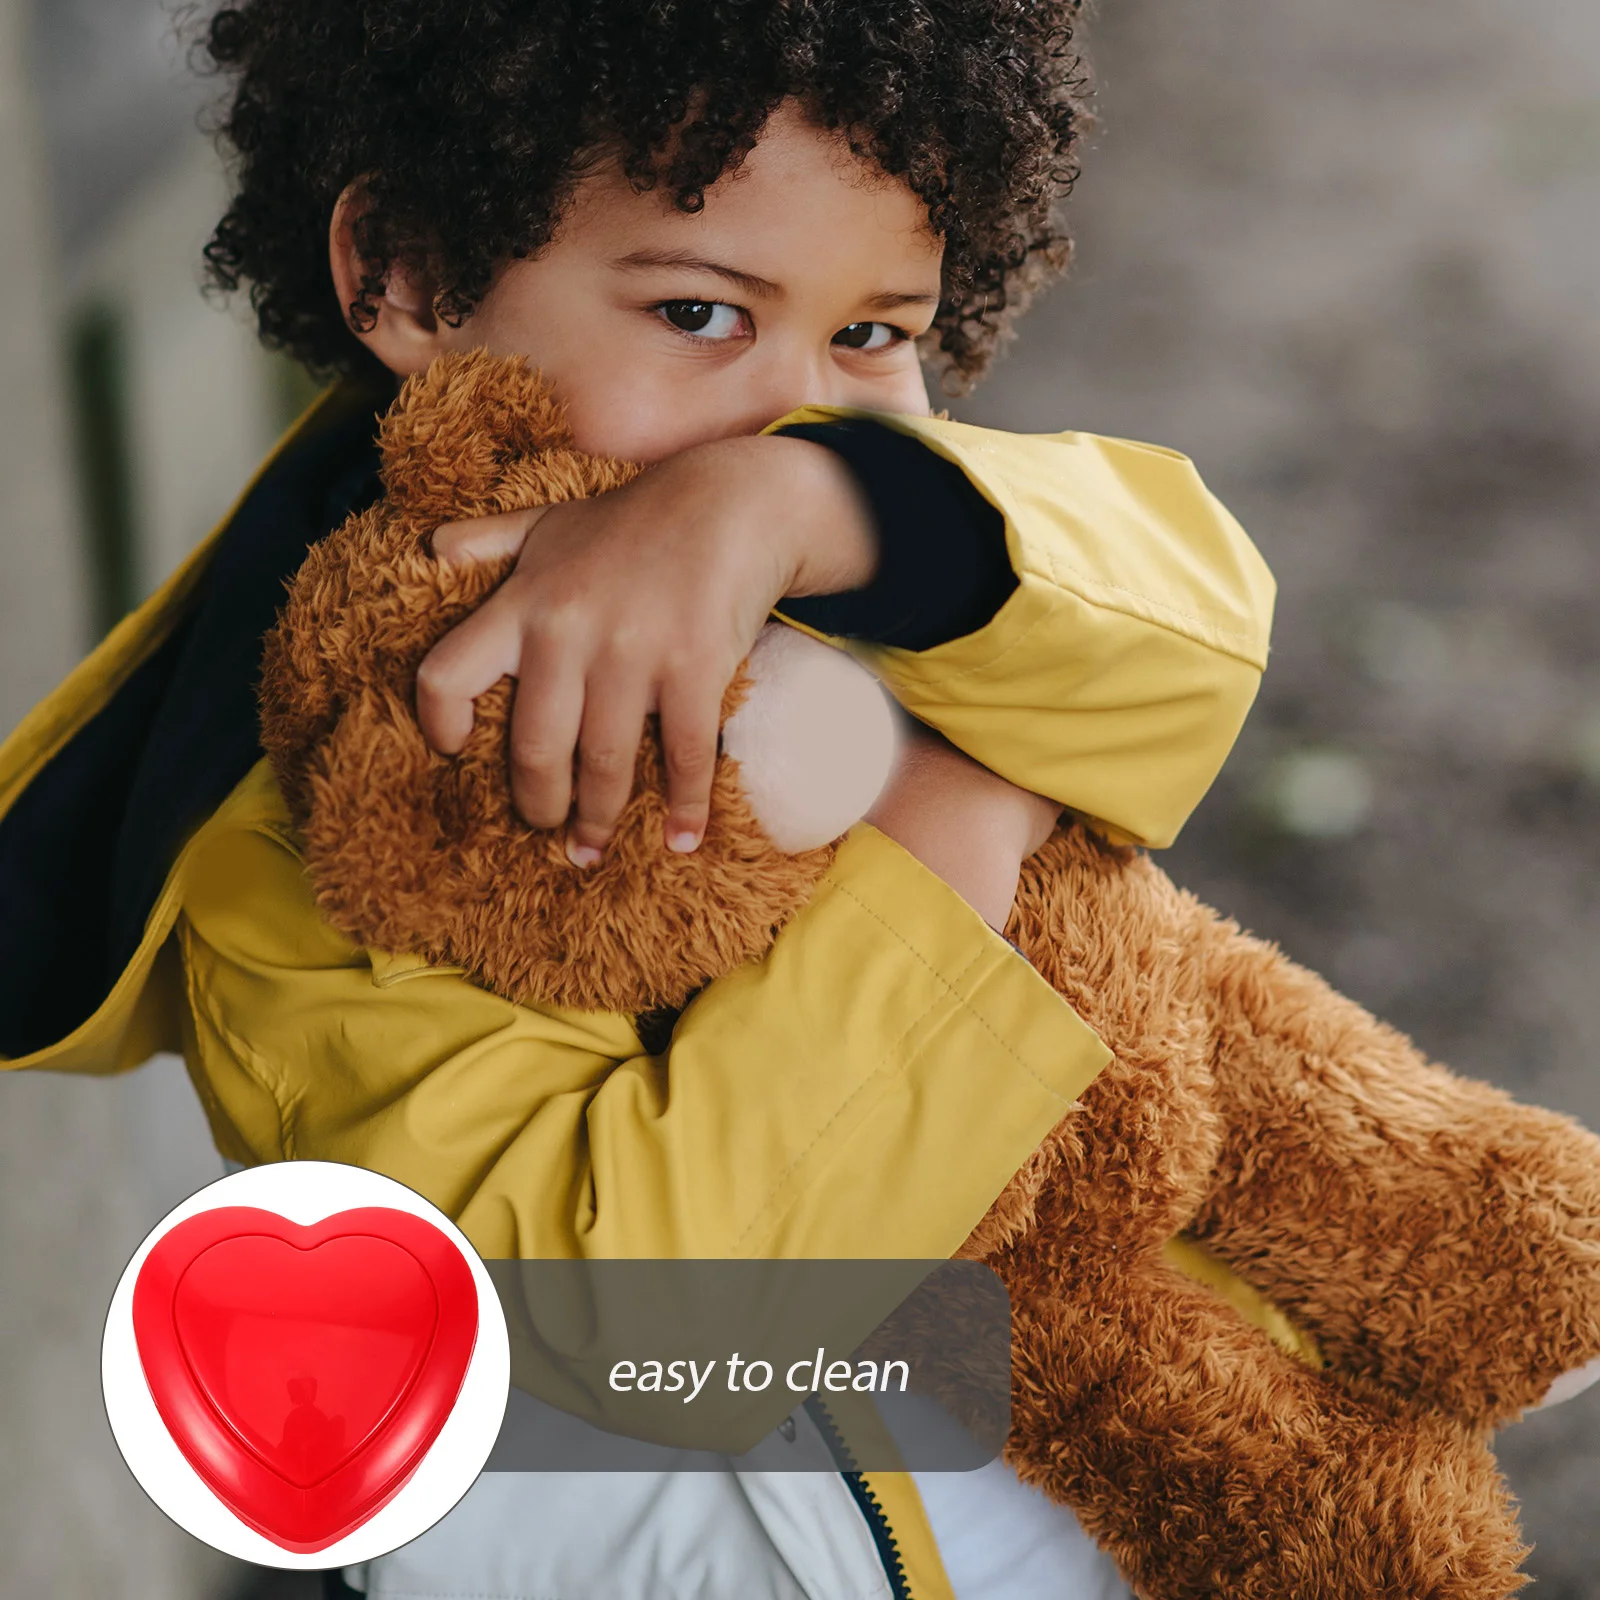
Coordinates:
[1346,257]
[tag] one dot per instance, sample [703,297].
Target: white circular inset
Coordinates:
[306,1193]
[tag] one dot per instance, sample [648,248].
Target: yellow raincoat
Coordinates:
[866,1089]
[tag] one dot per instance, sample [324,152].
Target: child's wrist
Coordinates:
[985,877]
[833,539]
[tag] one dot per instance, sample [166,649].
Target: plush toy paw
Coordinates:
[1212,1466]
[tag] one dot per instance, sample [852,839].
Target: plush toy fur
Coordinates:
[1440,1243]
[411,851]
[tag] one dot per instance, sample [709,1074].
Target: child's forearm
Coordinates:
[967,826]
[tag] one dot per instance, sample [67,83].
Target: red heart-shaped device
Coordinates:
[304,1372]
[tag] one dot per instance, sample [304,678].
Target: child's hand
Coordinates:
[642,600]
[964,823]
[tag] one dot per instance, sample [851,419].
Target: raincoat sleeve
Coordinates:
[1117,675]
[866,1089]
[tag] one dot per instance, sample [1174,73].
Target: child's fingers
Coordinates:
[608,750]
[485,538]
[691,712]
[470,659]
[546,715]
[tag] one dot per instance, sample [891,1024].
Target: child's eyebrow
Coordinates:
[893,302]
[761,288]
[641,260]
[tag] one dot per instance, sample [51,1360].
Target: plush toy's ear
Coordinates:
[457,430]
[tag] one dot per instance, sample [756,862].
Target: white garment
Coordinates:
[731,1536]
[639,1536]
[1001,1540]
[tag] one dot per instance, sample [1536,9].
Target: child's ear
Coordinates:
[401,328]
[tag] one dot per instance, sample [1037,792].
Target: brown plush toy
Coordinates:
[1436,1245]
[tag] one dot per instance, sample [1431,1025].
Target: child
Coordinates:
[726,232]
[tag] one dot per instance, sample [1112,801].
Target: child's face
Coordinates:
[805,279]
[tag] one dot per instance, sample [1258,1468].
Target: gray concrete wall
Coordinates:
[85,1167]
[43,621]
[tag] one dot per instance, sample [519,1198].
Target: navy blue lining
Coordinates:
[203,739]
[943,568]
[86,847]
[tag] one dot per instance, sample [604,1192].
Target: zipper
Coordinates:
[883,1540]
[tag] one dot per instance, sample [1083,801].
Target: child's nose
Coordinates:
[790,380]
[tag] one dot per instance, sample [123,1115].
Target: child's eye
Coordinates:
[869,336]
[703,319]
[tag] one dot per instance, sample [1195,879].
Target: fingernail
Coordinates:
[683,841]
[582,855]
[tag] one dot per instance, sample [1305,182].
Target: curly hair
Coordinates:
[469,123]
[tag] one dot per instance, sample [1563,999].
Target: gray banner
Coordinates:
[785,1366]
